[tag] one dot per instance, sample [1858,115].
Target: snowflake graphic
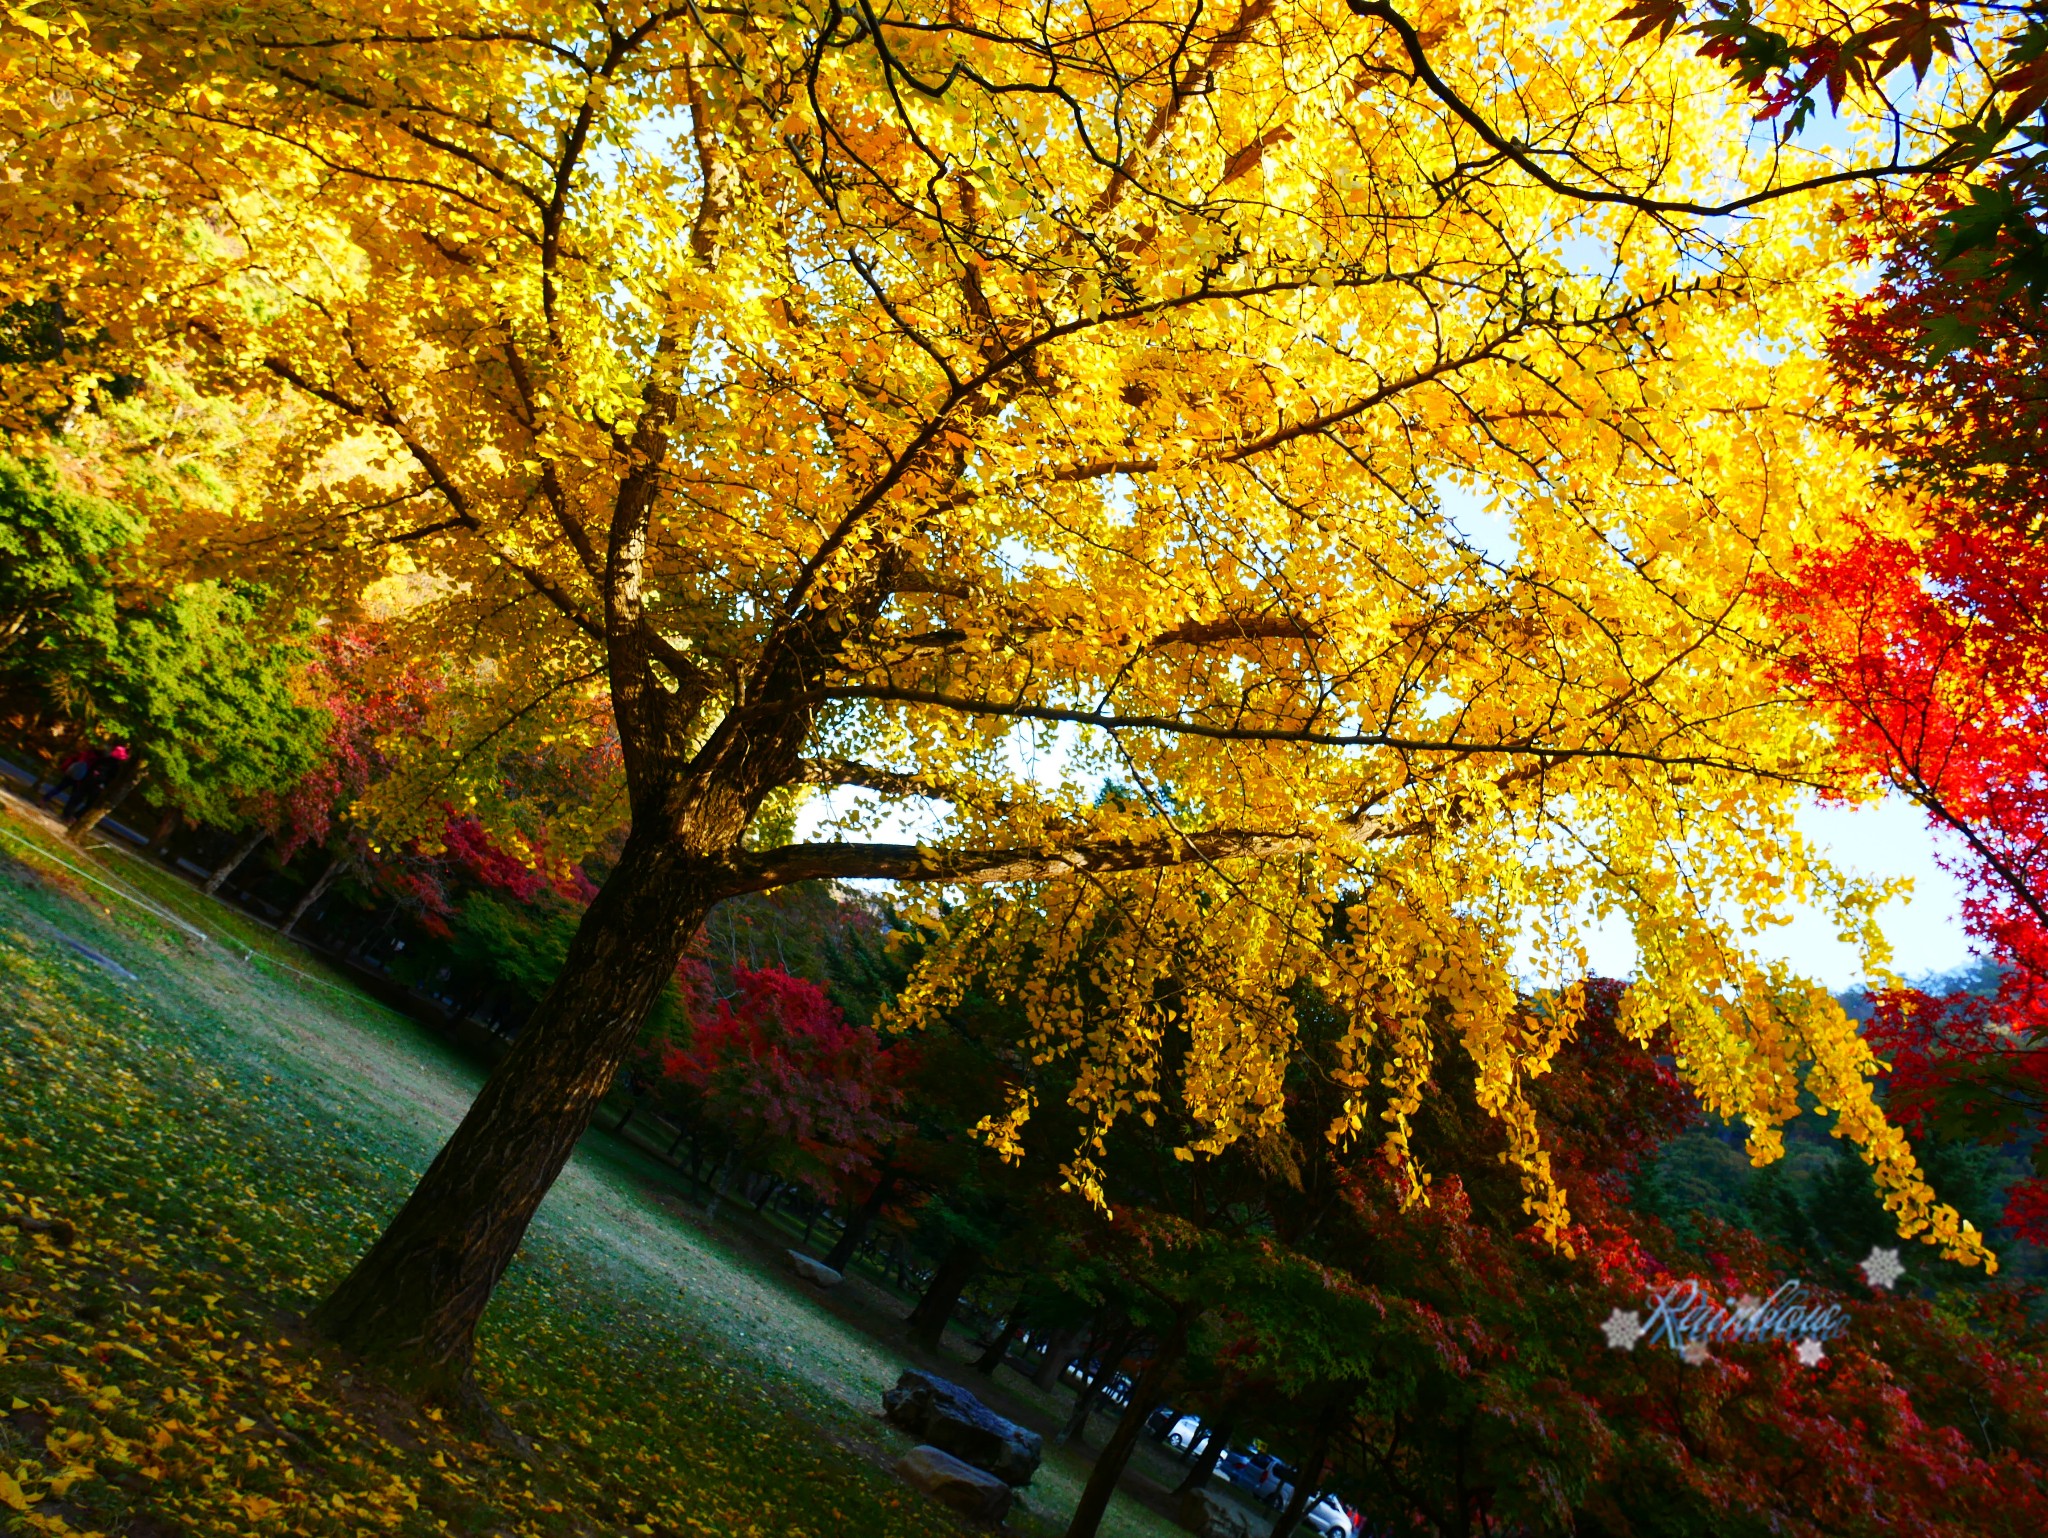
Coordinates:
[1810,1353]
[1624,1327]
[1696,1353]
[1882,1267]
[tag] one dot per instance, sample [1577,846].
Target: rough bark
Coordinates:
[314,893]
[1113,1352]
[241,852]
[1059,1351]
[999,1348]
[1206,1460]
[411,1304]
[1146,1394]
[934,1311]
[857,1225]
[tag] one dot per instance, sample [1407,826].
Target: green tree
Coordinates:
[58,550]
[205,693]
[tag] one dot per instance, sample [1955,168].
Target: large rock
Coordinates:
[813,1270]
[978,1496]
[949,1417]
[1209,1515]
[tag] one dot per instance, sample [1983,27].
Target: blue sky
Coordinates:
[1888,839]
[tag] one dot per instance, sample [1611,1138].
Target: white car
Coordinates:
[1327,1519]
[1187,1434]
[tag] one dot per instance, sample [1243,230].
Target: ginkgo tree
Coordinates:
[1071,421]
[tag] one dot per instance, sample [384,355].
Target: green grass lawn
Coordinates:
[223,1130]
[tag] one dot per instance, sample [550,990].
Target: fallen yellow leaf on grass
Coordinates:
[61,1483]
[10,1493]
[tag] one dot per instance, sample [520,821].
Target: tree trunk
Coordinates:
[233,863]
[1059,1351]
[724,1182]
[1116,1452]
[857,1223]
[1210,1455]
[999,1348]
[934,1310]
[314,893]
[166,830]
[1113,1351]
[112,796]
[412,1304]
[359,948]
[1310,1473]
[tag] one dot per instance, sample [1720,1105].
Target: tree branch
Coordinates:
[889,782]
[437,474]
[1520,155]
[1301,736]
[918,862]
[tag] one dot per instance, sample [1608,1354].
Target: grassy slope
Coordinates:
[225,1131]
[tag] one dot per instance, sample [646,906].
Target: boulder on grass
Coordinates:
[1209,1515]
[949,1417]
[977,1496]
[813,1270]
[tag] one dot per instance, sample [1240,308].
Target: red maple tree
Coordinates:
[376,702]
[785,1079]
[1496,1405]
[1928,645]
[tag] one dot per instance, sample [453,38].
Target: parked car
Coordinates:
[1187,1434]
[1116,1389]
[1263,1475]
[1328,1517]
[1160,1423]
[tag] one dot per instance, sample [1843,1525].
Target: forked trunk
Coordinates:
[413,1302]
[1146,1394]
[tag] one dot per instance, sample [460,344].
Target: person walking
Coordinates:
[86,794]
[50,781]
[76,778]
